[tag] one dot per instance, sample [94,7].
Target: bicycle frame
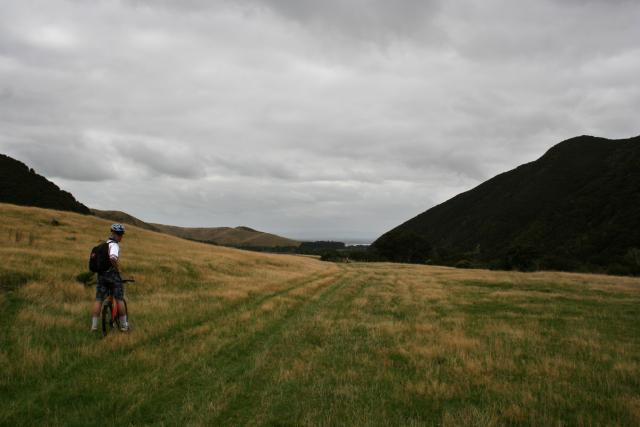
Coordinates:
[114,304]
[115,309]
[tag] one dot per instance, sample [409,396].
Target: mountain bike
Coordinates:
[110,311]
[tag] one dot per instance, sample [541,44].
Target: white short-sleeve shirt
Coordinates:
[114,249]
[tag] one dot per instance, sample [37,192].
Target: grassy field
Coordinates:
[226,337]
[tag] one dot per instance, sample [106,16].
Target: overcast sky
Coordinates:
[312,119]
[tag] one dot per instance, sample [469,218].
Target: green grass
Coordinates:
[225,337]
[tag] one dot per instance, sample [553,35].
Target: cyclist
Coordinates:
[111,279]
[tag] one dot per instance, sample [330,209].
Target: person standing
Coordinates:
[110,279]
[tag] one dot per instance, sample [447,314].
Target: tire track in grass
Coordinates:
[231,356]
[296,398]
[328,394]
[200,319]
[183,325]
[332,392]
[228,361]
[257,382]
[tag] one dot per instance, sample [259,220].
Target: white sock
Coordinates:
[123,320]
[94,322]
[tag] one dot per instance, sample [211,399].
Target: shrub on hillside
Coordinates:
[633,257]
[315,247]
[356,255]
[522,258]
[403,246]
[333,256]
[465,263]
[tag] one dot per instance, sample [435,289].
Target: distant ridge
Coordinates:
[575,208]
[124,218]
[227,236]
[21,185]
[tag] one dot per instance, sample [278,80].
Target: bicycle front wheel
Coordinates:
[107,323]
[126,311]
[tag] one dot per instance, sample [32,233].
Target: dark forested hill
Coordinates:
[575,208]
[20,185]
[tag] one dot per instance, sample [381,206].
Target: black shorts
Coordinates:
[109,280]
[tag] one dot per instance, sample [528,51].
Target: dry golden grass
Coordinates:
[223,336]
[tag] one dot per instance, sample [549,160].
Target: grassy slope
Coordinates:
[123,217]
[226,336]
[227,236]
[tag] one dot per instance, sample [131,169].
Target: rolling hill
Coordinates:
[226,236]
[21,185]
[575,208]
[124,218]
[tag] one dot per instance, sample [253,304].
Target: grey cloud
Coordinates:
[303,117]
[371,19]
[69,159]
[556,32]
[250,165]
[463,163]
[161,157]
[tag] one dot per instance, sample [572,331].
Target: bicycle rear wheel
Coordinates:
[107,323]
